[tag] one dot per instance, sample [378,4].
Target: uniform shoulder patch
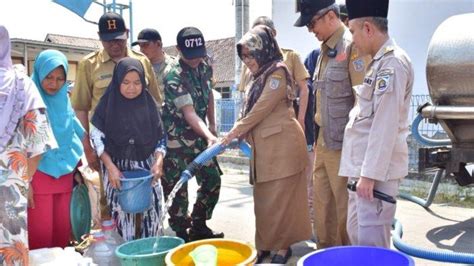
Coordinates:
[274,81]
[359,65]
[383,79]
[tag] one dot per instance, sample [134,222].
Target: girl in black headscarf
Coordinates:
[128,134]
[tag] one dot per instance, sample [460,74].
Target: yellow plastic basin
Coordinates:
[229,252]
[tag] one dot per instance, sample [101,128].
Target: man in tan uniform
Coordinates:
[338,68]
[151,45]
[94,74]
[375,152]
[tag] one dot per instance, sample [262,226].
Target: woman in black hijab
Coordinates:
[128,134]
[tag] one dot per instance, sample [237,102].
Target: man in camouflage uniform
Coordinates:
[188,102]
[151,45]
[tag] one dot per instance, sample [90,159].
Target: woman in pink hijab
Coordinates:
[24,135]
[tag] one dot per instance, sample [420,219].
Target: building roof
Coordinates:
[222,52]
[73,40]
[30,48]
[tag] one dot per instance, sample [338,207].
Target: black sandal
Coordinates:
[263,254]
[280,259]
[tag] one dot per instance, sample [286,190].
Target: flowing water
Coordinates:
[168,204]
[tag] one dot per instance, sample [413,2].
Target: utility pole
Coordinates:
[241,27]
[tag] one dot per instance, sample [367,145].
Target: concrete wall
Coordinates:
[411,24]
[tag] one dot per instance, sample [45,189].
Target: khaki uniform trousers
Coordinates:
[330,199]
[369,222]
[309,180]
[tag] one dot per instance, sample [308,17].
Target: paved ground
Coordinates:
[444,227]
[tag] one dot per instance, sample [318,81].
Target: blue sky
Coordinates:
[30,19]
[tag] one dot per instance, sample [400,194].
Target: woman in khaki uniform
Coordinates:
[278,148]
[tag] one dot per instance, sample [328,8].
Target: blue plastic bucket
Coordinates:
[140,252]
[136,191]
[356,256]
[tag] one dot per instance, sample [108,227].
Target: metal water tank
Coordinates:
[450,65]
[450,77]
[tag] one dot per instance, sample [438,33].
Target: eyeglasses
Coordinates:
[246,56]
[315,19]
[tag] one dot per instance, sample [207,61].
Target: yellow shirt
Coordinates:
[94,74]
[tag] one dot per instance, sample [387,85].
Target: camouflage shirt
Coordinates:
[186,86]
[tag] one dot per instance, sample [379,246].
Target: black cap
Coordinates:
[112,27]
[367,8]
[147,35]
[191,43]
[309,8]
[343,11]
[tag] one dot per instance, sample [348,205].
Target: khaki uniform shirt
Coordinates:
[163,70]
[268,127]
[375,143]
[296,67]
[356,66]
[94,74]
[356,76]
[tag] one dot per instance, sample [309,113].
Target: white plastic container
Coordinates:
[111,235]
[204,255]
[101,252]
[58,257]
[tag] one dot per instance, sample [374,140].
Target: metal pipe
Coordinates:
[130,12]
[448,112]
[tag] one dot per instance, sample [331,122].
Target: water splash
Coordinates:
[185,176]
